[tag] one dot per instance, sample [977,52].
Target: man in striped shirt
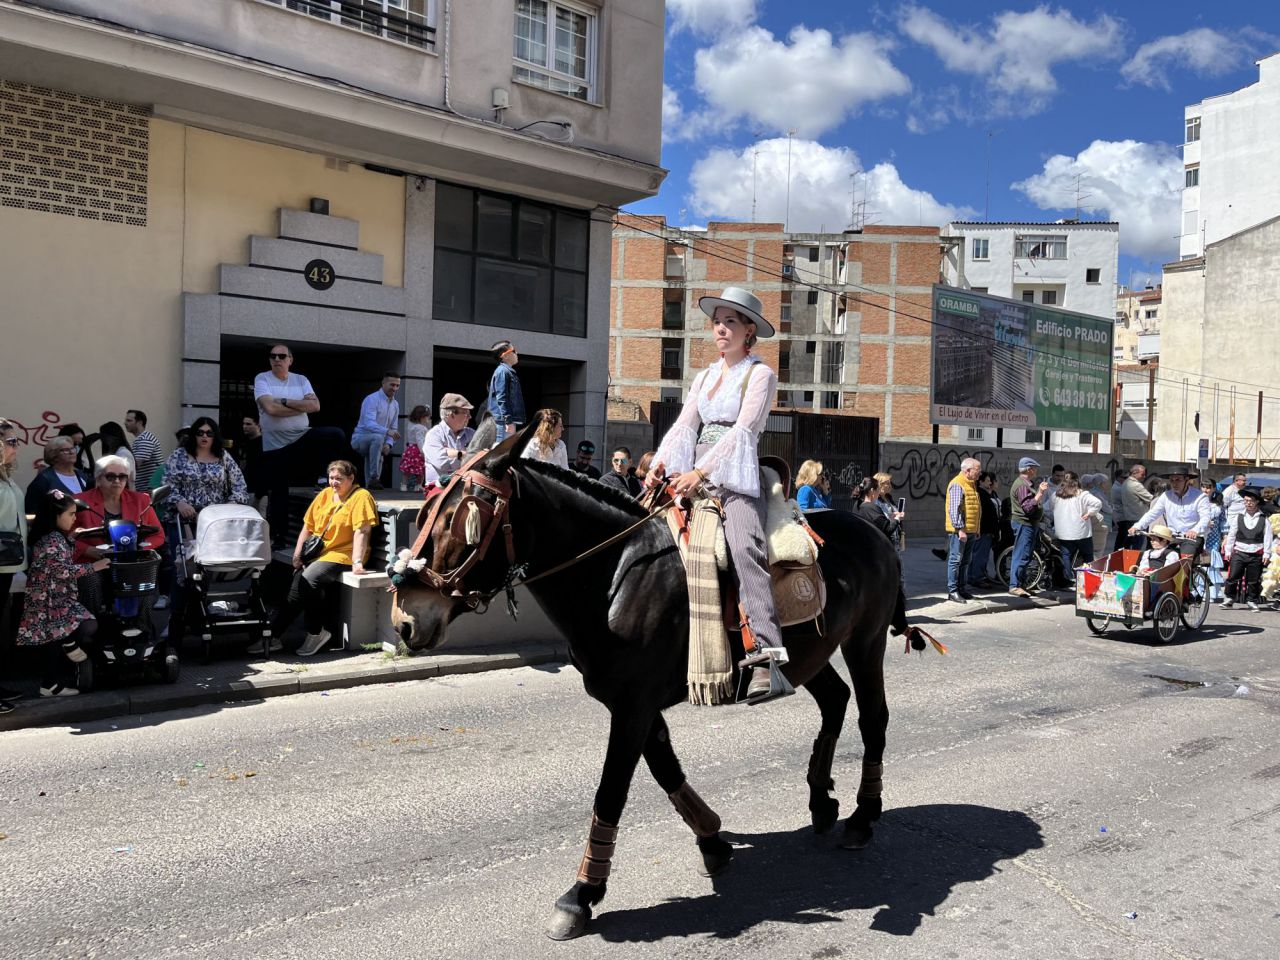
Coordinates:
[146,449]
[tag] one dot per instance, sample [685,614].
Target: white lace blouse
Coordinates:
[558,454]
[732,463]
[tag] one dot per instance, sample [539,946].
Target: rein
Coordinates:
[491,518]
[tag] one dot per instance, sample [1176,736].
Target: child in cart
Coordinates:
[1161,553]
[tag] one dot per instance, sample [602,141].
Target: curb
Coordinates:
[991,604]
[142,700]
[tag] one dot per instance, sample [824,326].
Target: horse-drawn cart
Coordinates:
[1111,590]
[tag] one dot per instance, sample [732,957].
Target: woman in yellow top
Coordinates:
[342,515]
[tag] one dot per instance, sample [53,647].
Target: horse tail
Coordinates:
[915,637]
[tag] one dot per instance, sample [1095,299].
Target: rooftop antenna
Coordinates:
[1080,197]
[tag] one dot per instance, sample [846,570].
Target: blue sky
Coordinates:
[898,108]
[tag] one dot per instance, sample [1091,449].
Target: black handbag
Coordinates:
[313,546]
[13,552]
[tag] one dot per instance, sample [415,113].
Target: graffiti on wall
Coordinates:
[922,472]
[37,436]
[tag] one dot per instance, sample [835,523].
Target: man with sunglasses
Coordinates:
[621,477]
[293,451]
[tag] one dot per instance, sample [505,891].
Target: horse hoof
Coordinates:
[856,836]
[568,923]
[825,818]
[716,856]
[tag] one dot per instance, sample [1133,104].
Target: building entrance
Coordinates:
[544,382]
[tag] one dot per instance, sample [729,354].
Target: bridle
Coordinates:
[476,522]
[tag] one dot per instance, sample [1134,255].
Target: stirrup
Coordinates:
[779,686]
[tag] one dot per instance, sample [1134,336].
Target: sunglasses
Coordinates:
[621,460]
[11,441]
[204,433]
[116,477]
[278,356]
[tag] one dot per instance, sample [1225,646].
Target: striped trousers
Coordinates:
[744,519]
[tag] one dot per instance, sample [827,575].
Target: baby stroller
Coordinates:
[222,567]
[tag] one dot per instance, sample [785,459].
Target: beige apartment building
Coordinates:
[384,185]
[851,309]
[1137,335]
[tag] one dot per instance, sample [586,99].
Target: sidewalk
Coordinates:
[235,680]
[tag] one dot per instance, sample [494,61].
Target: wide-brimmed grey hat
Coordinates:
[745,302]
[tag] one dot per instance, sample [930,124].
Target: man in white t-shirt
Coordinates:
[292,450]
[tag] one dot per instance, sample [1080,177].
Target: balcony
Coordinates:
[408,23]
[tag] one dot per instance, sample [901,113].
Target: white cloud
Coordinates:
[1017,52]
[709,18]
[1136,184]
[809,83]
[823,180]
[1203,51]
[672,114]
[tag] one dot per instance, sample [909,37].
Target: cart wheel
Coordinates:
[1165,617]
[1034,574]
[84,676]
[1004,563]
[1195,608]
[171,669]
[1097,624]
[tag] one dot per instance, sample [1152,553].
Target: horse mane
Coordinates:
[593,489]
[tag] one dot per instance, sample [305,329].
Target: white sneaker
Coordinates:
[1254,607]
[58,690]
[1228,603]
[314,643]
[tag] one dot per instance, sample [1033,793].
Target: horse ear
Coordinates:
[484,436]
[508,451]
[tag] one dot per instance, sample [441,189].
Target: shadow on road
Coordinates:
[919,855]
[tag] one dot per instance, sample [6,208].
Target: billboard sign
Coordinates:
[1001,363]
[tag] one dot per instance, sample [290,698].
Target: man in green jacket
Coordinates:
[1025,511]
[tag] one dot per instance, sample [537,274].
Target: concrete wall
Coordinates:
[625,119]
[1215,316]
[921,473]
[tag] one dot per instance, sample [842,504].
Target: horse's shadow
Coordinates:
[919,855]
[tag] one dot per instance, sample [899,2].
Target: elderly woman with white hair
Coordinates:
[111,499]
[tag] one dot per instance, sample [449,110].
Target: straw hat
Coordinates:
[1163,532]
[745,302]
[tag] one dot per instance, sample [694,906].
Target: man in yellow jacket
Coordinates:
[964,521]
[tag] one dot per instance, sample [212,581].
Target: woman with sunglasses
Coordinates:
[111,499]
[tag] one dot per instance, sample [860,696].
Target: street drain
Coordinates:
[1175,682]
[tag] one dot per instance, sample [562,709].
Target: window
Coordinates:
[784,312]
[1193,177]
[1050,297]
[833,364]
[555,48]
[405,21]
[1193,129]
[1086,438]
[672,358]
[1033,436]
[810,346]
[510,262]
[1149,314]
[977,434]
[669,394]
[1093,275]
[981,248]
[1190,223]
[812,298]
[813,254]
[808,396]
[1028,296]
[978,289]
[830,400]
[1041,247]
[673,315]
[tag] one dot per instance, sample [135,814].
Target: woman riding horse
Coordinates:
[731,401]
[612,582]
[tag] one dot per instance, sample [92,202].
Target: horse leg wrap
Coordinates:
[872,781]
[598,858]
[820,761]
[693,810]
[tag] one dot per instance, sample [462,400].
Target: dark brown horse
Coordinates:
[625,613]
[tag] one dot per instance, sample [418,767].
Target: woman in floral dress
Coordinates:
[53,617]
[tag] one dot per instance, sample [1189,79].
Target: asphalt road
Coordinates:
[1047,794]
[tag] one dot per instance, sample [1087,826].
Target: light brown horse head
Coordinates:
[421,613]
